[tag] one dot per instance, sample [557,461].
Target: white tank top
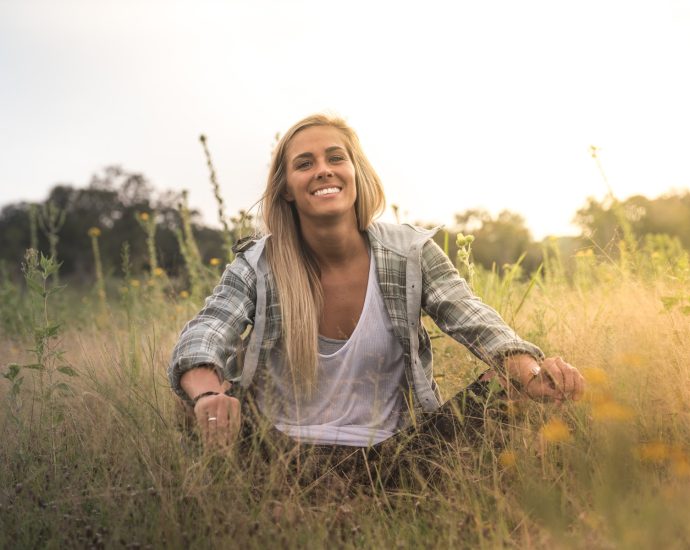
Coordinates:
[358,399]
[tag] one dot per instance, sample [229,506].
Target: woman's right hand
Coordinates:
[218,417]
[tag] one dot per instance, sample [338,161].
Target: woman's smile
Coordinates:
[328,191]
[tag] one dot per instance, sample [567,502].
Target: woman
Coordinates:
[337,353]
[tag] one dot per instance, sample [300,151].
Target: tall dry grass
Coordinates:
[102,461]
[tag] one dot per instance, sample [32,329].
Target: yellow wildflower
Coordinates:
[214,261]
[595,376]
[184,294]
[94,232]
[654,451]
[135,283]
[158,272]
[681,468]
[144,216]
[608,410]
[507,459]
[555,430]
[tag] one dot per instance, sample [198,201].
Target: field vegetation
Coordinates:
[95,453]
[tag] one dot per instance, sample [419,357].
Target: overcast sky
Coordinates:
[459,104]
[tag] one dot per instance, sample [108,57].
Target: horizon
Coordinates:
[387,216]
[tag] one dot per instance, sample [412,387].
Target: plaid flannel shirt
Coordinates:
[413,274]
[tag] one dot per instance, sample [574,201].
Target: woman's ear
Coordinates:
[287,195]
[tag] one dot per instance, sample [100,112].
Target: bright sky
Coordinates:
[459,104]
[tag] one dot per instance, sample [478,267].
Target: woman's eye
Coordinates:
[302,165]
[337,158]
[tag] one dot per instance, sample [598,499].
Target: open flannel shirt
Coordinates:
[414,275]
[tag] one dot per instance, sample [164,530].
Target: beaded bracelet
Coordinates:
[206,393]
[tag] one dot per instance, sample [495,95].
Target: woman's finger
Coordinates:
[568,373]
[206,413]
[213,429]
[218,417]
[234,421]
[551,370]
[574,381]
[579,388]
[542,388]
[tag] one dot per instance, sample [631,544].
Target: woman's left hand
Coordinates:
[556,381]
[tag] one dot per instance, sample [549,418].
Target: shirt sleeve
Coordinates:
[448,300]
[212,337]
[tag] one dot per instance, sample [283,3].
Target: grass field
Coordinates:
[93,456]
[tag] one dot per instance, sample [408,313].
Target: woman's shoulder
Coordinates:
[250,248]
[400,237]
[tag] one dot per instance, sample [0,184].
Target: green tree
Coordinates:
[499,240]
[112,201]
[668,214]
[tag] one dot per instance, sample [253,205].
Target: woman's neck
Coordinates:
[334,244]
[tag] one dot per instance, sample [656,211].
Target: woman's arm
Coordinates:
[212,337]
[448,300]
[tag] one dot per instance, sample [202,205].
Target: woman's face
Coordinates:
[320,175]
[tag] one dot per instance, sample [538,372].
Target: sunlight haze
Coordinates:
[458,104]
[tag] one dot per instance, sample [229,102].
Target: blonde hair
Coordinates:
[295,270]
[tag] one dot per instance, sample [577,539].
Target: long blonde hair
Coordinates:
[295,270]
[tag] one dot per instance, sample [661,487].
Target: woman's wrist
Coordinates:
[201,379]
[521,369]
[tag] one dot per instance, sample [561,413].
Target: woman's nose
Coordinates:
[323,171]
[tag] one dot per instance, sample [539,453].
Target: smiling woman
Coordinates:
[320,176]
[338,356]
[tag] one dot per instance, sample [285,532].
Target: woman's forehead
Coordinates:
[315,139]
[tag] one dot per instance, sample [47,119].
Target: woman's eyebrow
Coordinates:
[302,155]
[311,155]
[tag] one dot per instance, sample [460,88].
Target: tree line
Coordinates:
[115,199]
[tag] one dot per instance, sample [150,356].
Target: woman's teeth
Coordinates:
[327,191]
